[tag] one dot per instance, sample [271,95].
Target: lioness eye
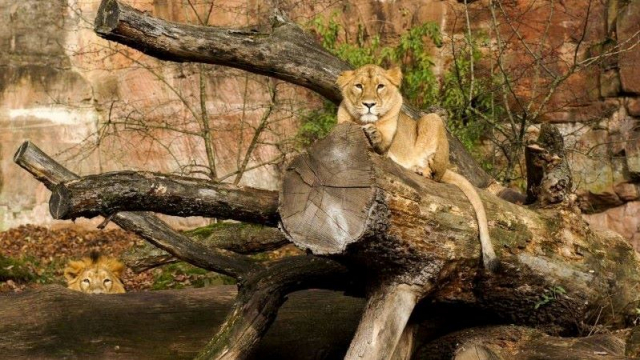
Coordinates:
[380,86]
[359,86]
[106,281]
[86,281]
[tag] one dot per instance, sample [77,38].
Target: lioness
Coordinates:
[95,275]
[371,98]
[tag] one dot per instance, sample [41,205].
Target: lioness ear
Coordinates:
[395,76]
[73,269]
[344,78]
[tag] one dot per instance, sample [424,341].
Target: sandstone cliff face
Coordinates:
[60,85]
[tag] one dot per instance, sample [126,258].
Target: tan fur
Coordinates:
[371,98]
[95,275]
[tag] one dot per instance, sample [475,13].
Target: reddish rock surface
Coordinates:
[60,84]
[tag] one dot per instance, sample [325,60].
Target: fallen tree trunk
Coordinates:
[175,324]
[61,323]
[343,200]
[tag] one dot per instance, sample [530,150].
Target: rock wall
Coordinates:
[70,92]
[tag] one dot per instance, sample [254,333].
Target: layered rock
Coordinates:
[60,84]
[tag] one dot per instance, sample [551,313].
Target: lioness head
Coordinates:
[95,275]
[370,92]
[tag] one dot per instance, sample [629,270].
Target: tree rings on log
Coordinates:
[328,192]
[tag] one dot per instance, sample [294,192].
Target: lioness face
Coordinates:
[370,92]
[98,275]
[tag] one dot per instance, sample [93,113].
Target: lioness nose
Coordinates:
[369,104]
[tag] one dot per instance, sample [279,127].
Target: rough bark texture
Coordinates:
[548,175]
[148,226]
[112,192]
[61,323]
[343,200]
[286,52]
[519,343]
[175,324]
[237,237]
[260,299]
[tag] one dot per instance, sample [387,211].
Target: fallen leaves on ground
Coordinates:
[44,253]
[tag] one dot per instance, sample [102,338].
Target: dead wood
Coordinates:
[113,192]
[260,298]
[54,323]
[343,200]
[147,225]
[548,175]
[519,343]
[240,238]
[312,324]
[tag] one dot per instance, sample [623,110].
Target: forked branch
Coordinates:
[148,226]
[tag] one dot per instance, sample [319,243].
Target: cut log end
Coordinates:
[327,193]
[107,17]
[58,206]
[21,150]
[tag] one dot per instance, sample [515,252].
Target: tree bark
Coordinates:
[383,323]
[148,226]
[112,192]
[343,200]
[519,343]
[286,52]
[175,324]
[240,238]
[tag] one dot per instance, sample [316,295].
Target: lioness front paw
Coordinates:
[374,136]
[426,172]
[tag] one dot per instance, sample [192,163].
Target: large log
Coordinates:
[55,323]
[285,52]
[175,324]
[343,200]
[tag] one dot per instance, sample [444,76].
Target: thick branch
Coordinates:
[112,192]
[385,316]
[148,226]
[236,237]
[286,53]
[260,299]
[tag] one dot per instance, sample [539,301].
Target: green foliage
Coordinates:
[181,275]
[316,124]
[410,54]
[550,295]
[469,99]
[469,103]
[15,269]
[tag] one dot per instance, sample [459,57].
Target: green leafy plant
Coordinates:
[550,295]
[420,85]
